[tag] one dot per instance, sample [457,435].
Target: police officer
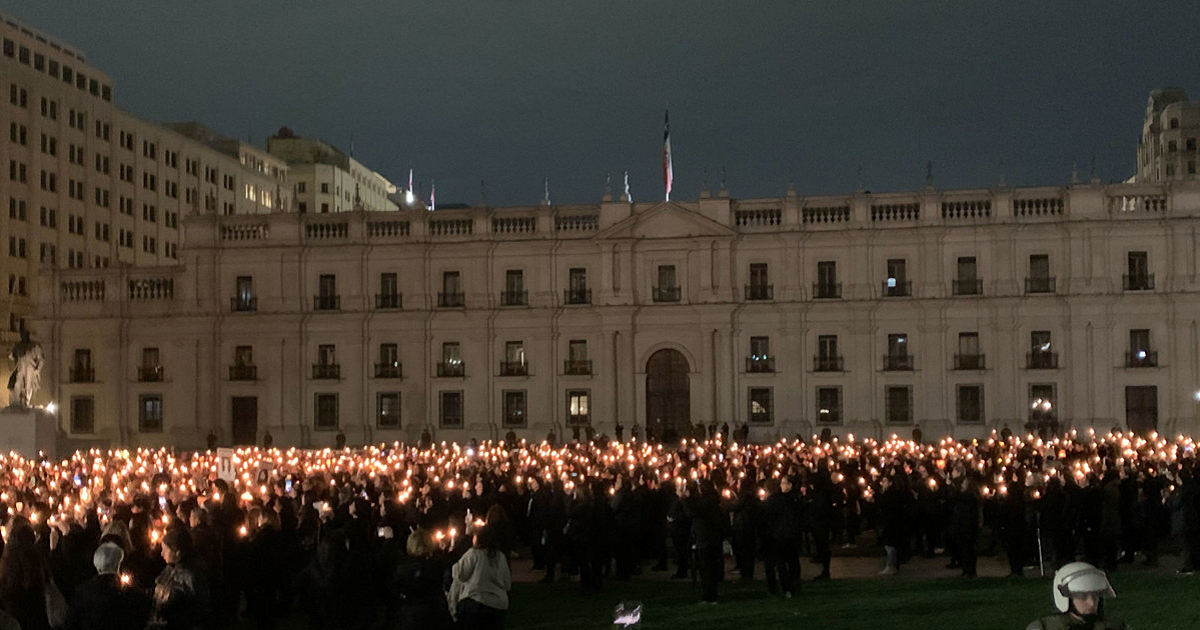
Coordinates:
[1079,590]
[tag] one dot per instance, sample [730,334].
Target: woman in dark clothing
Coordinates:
[181,597]
[781,537]
[26,583]
[320,586]
[265,563]
[709,530]
[417,585]
[582,538]
[964,524]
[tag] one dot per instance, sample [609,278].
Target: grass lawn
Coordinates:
[1147,601]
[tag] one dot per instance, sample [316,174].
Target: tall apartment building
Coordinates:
[326,179]
[90,186]
[1168,149]
[957,311]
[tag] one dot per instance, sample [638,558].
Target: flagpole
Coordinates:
[668,171]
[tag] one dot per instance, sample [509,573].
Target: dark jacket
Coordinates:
[103,603]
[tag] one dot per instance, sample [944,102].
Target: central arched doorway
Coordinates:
[668,396]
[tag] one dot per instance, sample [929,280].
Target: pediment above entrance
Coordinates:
[665,220]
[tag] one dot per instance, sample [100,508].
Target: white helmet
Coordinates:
[1078,578]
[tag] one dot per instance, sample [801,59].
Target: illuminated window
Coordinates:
[579,407]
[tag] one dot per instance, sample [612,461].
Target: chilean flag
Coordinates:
[668,172]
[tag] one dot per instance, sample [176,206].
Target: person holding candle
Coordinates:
[27,589]
[181,597]
[103,602]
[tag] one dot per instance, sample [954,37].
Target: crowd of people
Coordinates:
[420,536]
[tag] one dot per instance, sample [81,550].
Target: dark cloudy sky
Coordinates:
[770,91]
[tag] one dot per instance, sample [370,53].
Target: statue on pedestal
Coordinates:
[27,375]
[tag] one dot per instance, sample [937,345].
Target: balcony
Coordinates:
[834,363]
[514,298]
[760,292]
[577,296]
[388,370]
[897,288]
[327,302]
[451,369]
[577,367]
[1138,282]
[827,290]
[150,374]
[898,362]
[83,375]
[243,304]
[666,294]
[326,371]
[388,300]
[1039,285]
[970,362]
[450,300]
[1141,359]
[514,368]
[243,372]
[1041,360]
[760,364]
[966,287]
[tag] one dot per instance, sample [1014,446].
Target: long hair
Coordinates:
[22,567]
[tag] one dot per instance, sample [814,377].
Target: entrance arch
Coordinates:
[668,396]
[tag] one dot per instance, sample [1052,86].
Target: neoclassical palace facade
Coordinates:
[955,311]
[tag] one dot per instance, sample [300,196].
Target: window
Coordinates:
[326,413]
[83,414]
[389,361]
[897,283]
[452,363]
[760,359]
[577,358]
[243,368]
[450,410]
[326,365]
[829,405]
[577,287]
[827,286]
[451,295]
[243,294]
[514,408]
[827,359]
[897,357]
[1039,280]
[1139,277]
[150,413]
[389,293]
[579,407]
[898,404]
[762,405]
[327,298]
[970,404]
[667,289]
[760,287]
[514,359]
[514,288]
[387,405]
[968,356]
[1140,353]
[967,281]
[1040,356]
[151,367]
[81,367]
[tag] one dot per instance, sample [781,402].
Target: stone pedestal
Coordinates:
[28,431]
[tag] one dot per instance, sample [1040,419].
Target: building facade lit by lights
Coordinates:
[1168,148]
[88,185]
[325,179]
[955,311]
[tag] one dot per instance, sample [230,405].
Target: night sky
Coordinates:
[769,92]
